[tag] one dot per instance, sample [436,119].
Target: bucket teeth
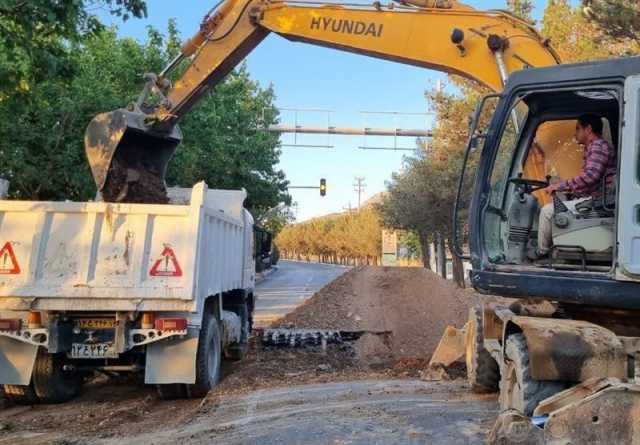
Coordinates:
[300,337]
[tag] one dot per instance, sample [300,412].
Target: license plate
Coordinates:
[95,350]
[95,323]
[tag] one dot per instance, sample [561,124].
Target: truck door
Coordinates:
[628,198]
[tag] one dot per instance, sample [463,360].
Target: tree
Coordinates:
[347,238]
[521,8]
[42,129]
[619,19]
[36,36]
[225,146]
[421,196]
[579,39]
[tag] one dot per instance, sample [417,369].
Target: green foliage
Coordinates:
[616,18]
[42,129]
[276,218]
[36,36]
[521,8]
[421,197]
[223,146]
[578,38]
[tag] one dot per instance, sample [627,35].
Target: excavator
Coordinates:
[561,342]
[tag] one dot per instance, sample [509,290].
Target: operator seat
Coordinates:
[585,232]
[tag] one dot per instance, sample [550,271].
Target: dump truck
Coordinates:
[93,286]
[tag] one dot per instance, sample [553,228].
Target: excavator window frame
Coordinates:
[472,146]
[527,132]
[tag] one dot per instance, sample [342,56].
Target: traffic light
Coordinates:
[323,187]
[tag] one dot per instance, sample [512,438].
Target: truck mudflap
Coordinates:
[570,350]
[600,411]
[17,359]
[173,360]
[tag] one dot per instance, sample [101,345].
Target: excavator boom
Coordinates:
[484,46]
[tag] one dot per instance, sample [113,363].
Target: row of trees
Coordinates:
[349,238]
[59,67]
[420,198]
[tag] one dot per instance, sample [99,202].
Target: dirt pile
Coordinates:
[142,184]
[412,306]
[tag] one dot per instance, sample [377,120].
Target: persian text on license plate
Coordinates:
[95,323]
[95,350]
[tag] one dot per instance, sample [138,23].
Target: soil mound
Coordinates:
[413,305]
[138,185]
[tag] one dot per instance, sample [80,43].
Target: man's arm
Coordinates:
[594,168]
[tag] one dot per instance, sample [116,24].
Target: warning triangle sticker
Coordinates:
[167,265]
[8,262]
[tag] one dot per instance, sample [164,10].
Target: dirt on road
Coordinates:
[121,408]
[412,305]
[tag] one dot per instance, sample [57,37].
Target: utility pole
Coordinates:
[358,187]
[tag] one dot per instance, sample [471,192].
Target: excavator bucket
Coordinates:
[451,347]
[128,159]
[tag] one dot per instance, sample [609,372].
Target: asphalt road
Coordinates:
[289,286]
[374,412]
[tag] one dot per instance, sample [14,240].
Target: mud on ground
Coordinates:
[121,407]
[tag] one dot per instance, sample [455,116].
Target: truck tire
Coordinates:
[20,394]
[171,391]
[51,383]
[208,357]
[518,390]
[483,372]
[238,351]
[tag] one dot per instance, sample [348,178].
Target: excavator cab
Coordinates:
[528,143]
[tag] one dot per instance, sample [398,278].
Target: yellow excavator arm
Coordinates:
[437,34]
[458,40]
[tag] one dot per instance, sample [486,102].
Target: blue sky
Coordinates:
[305,76]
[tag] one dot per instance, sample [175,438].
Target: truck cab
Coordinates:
[529,141]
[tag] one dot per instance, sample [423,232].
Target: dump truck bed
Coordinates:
[97,256]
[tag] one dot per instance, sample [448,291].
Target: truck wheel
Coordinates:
[483,373]
[238,351]
[53,384]
[171,391]
[518,390]
[20,394]
[208,357]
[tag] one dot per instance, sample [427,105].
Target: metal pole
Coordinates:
[504,75]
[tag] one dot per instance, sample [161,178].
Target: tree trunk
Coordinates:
[441,256]
[458,268]
[424,246]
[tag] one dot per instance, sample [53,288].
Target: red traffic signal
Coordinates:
[323,187]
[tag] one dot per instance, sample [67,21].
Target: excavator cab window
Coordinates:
[535,146]
[503,166]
